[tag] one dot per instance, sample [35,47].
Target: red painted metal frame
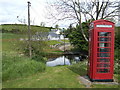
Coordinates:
[93,47]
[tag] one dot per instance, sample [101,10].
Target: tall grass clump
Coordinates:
[15,60]
[16,66]
[117,62]
[79,68]
[117,50]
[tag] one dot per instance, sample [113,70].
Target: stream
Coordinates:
[64,60]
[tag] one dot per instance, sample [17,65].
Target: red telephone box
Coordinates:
[101,50]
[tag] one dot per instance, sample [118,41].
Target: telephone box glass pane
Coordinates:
[103,60]
[102,39]
[103,49]
[103,54]
[104,33]
[103,44]
[103,65]
[103,70]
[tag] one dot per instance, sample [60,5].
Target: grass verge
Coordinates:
[14,63]
[53,77]
[16,66]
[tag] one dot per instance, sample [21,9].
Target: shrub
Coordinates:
[37,48]
[117,50]
[15,67]
[79,68]
[76,38]
[117,62]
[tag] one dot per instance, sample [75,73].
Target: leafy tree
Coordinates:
[76,38]
[117,38]
[117,50]
[68,31]
[56,26]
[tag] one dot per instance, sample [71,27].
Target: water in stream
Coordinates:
[64,60]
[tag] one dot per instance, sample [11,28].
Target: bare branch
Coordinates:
[89,10]
[109,14]
[104,8]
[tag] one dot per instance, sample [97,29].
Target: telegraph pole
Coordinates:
[64,46]
[29,31]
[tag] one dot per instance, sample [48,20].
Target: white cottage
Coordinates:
[54,36]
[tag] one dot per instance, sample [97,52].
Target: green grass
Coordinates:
[53,42]
[23,28]
[79,68]
[49,50]
[117,77]
[12,36]
[17,66]
[66,41]
[53,77]
[21,72]
[104,86]
[10,43]
[14,63]
[58,51]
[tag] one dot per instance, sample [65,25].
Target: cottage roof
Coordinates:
[53,34]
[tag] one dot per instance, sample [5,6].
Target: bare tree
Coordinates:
[101,10]
[77,11]
[118,14]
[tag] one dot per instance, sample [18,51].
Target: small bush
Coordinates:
[15,67]
[79,68]
[37,50]
[39,59]
[37,47]
[117,62]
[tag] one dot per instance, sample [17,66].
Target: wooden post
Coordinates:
[64,47]
[29,31]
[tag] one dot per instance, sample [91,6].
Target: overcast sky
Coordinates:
[15,11]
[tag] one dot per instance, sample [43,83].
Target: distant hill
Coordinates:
[23,28]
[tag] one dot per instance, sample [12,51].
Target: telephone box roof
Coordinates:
[101,20]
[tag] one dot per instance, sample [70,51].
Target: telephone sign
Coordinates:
[109,26]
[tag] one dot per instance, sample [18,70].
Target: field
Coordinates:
[15,64]
[19,71]
[23,28]
[55,77]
